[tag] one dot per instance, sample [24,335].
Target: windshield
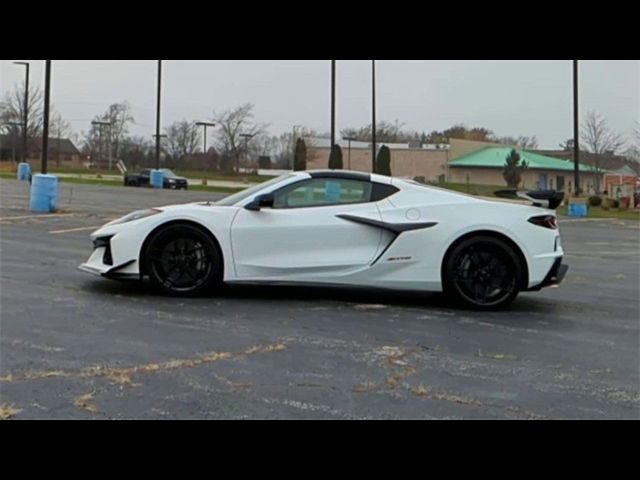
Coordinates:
[244,194]
[168,173]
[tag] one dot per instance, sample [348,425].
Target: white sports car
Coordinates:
[342,228]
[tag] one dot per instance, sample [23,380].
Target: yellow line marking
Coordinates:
[70,230]
[123,375]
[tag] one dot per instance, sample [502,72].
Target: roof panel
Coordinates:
[496,157]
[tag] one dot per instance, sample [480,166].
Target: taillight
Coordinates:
[546,221]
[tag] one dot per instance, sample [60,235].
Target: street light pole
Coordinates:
[349,139]
[25,120]
[158,115]
[333,102]
[373,114]
[205,125]
[576,128]
[45,123]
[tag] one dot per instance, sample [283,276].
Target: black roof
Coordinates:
[363,177]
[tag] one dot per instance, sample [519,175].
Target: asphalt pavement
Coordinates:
[77,346]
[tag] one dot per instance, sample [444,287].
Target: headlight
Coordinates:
[171,180]
[137,215]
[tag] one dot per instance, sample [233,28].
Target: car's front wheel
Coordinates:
[482,273]
[181,259]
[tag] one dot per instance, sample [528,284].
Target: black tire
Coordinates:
[182,260]
[482,273]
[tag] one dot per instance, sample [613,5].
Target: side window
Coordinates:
[323,192]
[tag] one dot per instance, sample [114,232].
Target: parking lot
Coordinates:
[77,346]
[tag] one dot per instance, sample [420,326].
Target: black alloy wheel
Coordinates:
[483,273]
[183,260]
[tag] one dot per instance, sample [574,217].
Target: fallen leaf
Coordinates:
[84,402]
[8,411]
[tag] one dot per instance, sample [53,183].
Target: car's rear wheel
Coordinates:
[181,259]
[482,273]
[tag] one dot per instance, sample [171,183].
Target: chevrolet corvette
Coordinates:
[342,228]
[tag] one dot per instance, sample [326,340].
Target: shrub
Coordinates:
[595,201]
[335,158]
[513,168]
[264,162]
[300,158]
[383,162]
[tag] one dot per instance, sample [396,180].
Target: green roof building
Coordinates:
[485,167]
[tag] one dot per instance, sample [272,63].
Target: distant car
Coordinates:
[341,228]
[142,179]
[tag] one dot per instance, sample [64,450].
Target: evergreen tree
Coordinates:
[513,169]
[335,158]
[383,161]
[300,159]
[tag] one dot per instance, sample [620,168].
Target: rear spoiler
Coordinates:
[540,198]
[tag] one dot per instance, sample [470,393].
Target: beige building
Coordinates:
[428,161]
[460,161]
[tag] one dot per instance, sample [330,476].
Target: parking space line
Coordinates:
[71,230]
[27,217]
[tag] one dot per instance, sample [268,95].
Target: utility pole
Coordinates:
[333,103]
[45,123]
[110,144]
[158,115]
[25,120]
[373,114]
[576,130]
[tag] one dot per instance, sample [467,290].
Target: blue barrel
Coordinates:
[24,170]
[578,210]
[44,193]
[157,178]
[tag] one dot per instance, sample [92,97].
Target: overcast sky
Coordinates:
[509,97]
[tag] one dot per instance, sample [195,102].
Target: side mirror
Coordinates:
[261,201]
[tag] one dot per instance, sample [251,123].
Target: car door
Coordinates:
[144,178]
[302,237]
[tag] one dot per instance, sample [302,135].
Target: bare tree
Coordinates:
[137,152]
[522,142]
[91,143]
[281,147]
[385,132]
[567,145]
[119,116]
[60,129]
[183,139]
[633,151]
[234,123]
[601,141]
[12,110]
